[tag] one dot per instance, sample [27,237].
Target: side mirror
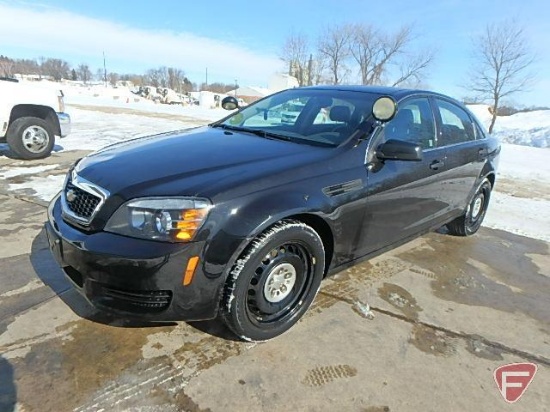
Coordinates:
[230,103]
[399,150]
[384,108]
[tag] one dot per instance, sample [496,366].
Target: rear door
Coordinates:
[466,152]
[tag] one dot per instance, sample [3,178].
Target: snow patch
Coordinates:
[44,188]
[18,171]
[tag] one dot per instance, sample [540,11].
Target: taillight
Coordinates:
[61,101]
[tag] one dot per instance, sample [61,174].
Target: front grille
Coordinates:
[135,301]
[80,202]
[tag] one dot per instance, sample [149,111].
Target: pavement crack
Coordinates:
[27,200]
[449,332]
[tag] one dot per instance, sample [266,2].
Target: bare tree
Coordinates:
[317,70]
[176,79]
[412,68]
[334,45]
[56,68]
[378,53]
[6,67]
[295,54]
[502,58]
[84,73]
[113,78]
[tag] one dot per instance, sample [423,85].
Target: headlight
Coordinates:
[165,219]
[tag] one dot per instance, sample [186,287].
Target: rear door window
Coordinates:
[456,124]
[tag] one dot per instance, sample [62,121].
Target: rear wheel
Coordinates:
[470,222]
[30,138]
[274,282]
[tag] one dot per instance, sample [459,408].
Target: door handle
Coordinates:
[483,153]
[436,164]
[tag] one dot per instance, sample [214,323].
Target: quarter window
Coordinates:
[456,125]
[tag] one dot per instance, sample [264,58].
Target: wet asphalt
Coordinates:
[419,328]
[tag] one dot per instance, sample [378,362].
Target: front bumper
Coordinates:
[64,123]
[133,278]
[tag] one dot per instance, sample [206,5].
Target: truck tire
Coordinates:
[31,138]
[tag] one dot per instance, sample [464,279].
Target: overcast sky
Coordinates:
[242,39]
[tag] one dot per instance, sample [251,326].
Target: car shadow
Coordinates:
[8,391]
[49,272]
[6,151]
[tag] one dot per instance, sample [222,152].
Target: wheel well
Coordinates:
[31,110]
[491,179]
[324,231]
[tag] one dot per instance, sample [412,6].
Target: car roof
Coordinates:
[395,92]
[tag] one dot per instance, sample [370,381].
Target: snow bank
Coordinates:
[526,129]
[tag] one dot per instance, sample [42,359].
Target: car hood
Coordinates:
[196,162]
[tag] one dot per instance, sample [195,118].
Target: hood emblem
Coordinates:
[70,195]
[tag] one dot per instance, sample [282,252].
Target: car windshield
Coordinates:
[317,117]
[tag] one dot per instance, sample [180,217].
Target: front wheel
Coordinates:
[30,138]
[274,282]
[470,222]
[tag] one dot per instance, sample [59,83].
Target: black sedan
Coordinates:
[244,217]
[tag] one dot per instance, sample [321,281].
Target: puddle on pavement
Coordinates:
[432,341]
[76,365]
[97,366]
[400,299]
[494,269]
[347,284]
[477,347]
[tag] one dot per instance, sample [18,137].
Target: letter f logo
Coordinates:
[513,379]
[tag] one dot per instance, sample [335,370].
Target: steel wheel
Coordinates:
[274,282]
[278,283]
[470,222]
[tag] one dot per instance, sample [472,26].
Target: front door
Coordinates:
[403,197]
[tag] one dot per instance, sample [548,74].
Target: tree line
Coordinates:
[58,69]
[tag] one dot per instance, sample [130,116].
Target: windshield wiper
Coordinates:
[257,132]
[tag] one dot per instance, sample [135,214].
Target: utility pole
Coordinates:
[236,86]
[104,70]
[206,83]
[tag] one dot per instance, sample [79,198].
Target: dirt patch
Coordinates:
[377,409]
[534,190]
[142,113]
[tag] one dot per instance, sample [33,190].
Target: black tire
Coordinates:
[274,282]
[470,222]
[31,138]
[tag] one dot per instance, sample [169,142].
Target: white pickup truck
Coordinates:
[30,118]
